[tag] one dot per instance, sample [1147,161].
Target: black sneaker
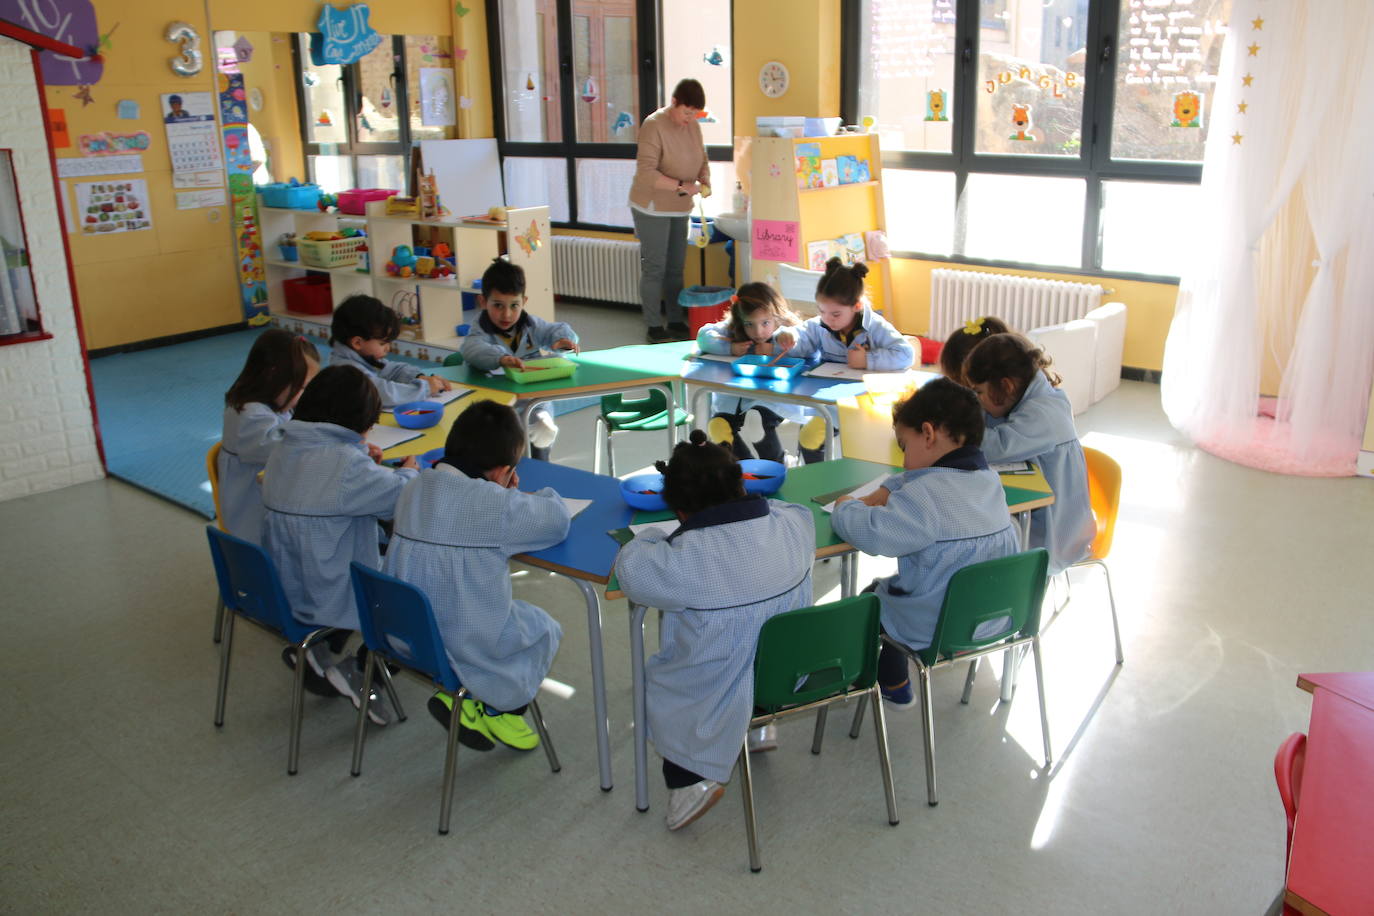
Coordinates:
[659,335]
[314,682]
[680,331]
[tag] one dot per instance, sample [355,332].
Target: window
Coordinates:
[359,121]
[18,304]
[1057,133]
[574,79]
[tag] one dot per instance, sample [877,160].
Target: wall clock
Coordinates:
[773,79]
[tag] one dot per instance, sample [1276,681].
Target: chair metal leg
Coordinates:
[596,443]
[610,452]
[225,646]
[751,827]
[858,722]
[219,619]
[968,681]
[1111,598]
[360,731]
[544,736]
[637,612]
[293,752]
[450,762]
[391,691]
[884,760]
[1040,688]
[819,736]
[928,721]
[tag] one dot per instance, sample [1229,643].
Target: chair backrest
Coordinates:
[212,468]
[249,584]
[618,408]
[816,652]
[1288,765]
[987,602]
[1104,494]
[1111,343]
[397,622]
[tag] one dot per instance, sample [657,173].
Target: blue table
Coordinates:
[585,557]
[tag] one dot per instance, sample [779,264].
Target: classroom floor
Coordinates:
[120,795]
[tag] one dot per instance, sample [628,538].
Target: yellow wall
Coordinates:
[804,35]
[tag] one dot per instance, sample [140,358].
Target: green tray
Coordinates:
[542,370]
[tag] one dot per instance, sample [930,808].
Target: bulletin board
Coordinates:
[468,174]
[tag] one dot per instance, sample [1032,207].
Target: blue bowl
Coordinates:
[772,472]
[418,414]
[428,458]
[788,367]
[630,491]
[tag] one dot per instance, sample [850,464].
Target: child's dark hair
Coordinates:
[946,405]
[1007,356]
[365,317]
[689,92]
[753,297]
[341,395]
[277,363]
[701,474]
[841,284]
[962,342]
[503,277]
[487,435]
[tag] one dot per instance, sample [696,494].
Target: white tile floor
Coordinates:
[120,795]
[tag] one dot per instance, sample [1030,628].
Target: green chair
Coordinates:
[622,414]
[453,359]
[805,661]
[988,608]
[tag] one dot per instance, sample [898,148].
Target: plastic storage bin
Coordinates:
[542,370]
[356,201]
[308,295]
[643,492]
[331,253]
[290,197]
[789,367]
[763,476]
[705,305]
[418,414]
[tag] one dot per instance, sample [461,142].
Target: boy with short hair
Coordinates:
[361,335]
[506,335]
[945,511]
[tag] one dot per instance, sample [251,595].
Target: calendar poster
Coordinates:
[108,207]
[192,136]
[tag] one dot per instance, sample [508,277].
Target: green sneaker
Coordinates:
[509,729]
[472,729]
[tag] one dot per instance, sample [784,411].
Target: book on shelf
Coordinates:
[830,174]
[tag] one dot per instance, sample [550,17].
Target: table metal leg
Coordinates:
[603,726]
[672,411]
[526,409]
[637,612]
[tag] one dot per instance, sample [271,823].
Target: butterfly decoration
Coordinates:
[83,93]
[774,171]
[461,10]
[529,240]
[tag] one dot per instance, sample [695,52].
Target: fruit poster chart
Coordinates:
[107,207]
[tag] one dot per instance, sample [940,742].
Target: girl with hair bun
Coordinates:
[700,684]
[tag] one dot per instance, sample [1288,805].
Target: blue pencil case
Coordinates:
[763,367]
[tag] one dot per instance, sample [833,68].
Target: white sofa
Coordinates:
[1086,353]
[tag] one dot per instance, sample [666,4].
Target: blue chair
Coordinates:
[398,626]
[249,587]
[620,414]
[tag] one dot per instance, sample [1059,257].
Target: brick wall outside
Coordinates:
[47,434]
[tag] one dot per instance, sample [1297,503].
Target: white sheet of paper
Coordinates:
[575,505]
[499,370]
[1012,467]
[385,437]
[860,492]
[667,527]
[448,397]
[837,370]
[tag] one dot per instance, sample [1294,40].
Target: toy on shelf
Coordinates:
[407,309]
[402,263]
[428,197]
[327,202]
[364,260]
[287,244]
[401,206]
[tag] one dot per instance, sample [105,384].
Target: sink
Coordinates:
[735,225]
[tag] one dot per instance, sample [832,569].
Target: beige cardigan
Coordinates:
[667,149]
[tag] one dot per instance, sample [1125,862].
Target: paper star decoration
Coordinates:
[1254,50]
[83,92]
[1258,23]
[460,53]
[1240,109]
[464,102]
[1236,138]
[1247,79]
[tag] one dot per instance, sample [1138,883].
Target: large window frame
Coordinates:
[652,89]
[1093,164]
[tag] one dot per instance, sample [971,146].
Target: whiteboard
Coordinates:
[468,173]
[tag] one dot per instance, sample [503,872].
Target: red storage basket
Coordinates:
[308,295]
[356,201]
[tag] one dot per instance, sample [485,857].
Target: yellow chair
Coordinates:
[1104,494]
[212,469]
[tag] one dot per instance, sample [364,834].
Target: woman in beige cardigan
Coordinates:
[672,169]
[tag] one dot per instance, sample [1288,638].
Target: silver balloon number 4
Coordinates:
[189,62]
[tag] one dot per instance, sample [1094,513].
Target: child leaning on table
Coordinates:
[506,335]
[845,330]
[361,336]
[1029,419]
[324,494]
[962,341]
[256,409]
[945,511]
[700,684]
[457,526]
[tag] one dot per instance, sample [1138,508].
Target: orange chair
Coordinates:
[212,469]
[1104,494]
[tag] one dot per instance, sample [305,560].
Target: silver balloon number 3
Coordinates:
[188,62]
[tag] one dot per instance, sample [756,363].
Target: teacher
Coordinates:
[672,169]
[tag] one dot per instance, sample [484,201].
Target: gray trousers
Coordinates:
[662,251]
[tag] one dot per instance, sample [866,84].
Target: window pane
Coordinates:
[906,72]
[722,199]
[332,173]
[1165,74]
[379,120]
[431,53]
[1148,227]
[532,182]
[603,190]
[920,210]
[693,33]
[18,307]
[1031,220]
[606,94]
[529,59]
[324,99]
[1030,77]
[382,172]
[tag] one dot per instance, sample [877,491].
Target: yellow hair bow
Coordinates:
[973,327]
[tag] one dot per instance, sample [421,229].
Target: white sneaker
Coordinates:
[348,680]
[691,802]
[542,429]
[763,738]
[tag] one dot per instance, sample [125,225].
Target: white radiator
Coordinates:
[1023,303]
[603,269]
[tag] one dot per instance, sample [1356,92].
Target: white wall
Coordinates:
[47,434]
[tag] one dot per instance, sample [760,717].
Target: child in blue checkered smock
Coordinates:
[324,494]
[945,511]
[506,335]
[1029,419]
[361,336]
[700,684]
[256,408]
[457,526]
